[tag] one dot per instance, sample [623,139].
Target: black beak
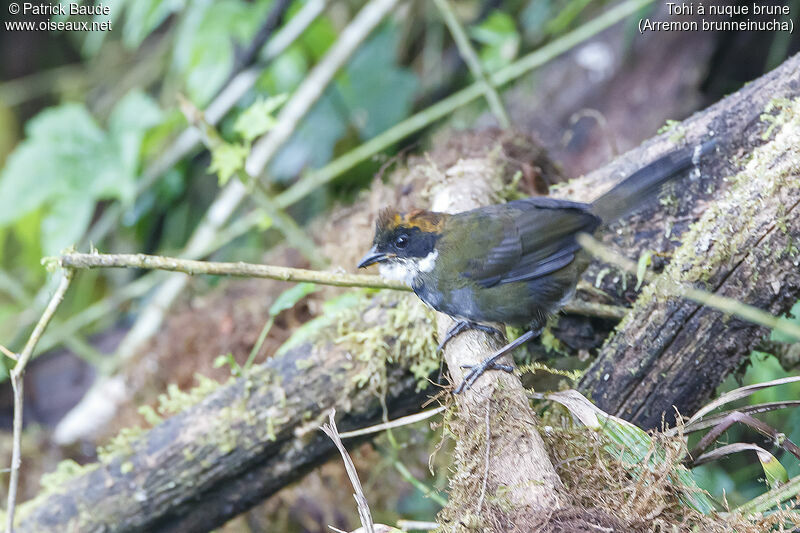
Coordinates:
[372,257]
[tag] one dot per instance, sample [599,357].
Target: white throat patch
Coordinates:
[429,261]
[406,270]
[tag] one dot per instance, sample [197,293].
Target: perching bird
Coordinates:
[515,263]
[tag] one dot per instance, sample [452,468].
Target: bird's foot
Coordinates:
[463,325]
[476,371]
[490,363]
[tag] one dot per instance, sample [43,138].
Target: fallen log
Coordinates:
[730,232]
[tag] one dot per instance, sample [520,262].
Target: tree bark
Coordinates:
[733,232]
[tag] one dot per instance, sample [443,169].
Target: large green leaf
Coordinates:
[59,155]
[65,222]
[312,143]
[377,91]
[130,119]
[67,163]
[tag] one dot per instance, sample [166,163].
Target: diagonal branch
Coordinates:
[17,374]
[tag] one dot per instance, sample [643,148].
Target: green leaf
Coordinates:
[133,115]
[67,163]
[65,222]
[498,33]
[286,71]
[377,91]
[312,143]
[319,36]
[227,159]
[257,119]
[773,470]
[289,298]
[641,267]
[64,151]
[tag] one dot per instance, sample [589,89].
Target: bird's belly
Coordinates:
[517,304]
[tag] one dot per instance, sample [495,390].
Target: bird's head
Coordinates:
[404,243]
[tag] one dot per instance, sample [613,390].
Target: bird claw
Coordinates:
[477,371]
[490,363]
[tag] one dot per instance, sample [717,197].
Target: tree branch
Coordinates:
[16,374]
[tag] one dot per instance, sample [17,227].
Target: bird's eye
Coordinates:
[401,241]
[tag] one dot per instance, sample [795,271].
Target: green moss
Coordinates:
[389,329]
[121,444]
[175,400]
[668,126]
[65,471]
[304,364]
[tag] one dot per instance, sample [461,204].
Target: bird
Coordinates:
[515,263]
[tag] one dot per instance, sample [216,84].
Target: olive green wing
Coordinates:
[525,239]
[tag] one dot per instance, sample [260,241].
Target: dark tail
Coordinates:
[644,184]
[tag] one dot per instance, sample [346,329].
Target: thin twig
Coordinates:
[406,525]
[17,374]
[361,500]
[399,422]
[725,423]
[471,59]
[713,420]
[721,303]
[8,353]
[192,267]
[313,85]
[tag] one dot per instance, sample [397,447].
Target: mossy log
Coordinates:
[247,439]
[734,232]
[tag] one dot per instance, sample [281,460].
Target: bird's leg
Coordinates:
[490,363]
[463,325]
